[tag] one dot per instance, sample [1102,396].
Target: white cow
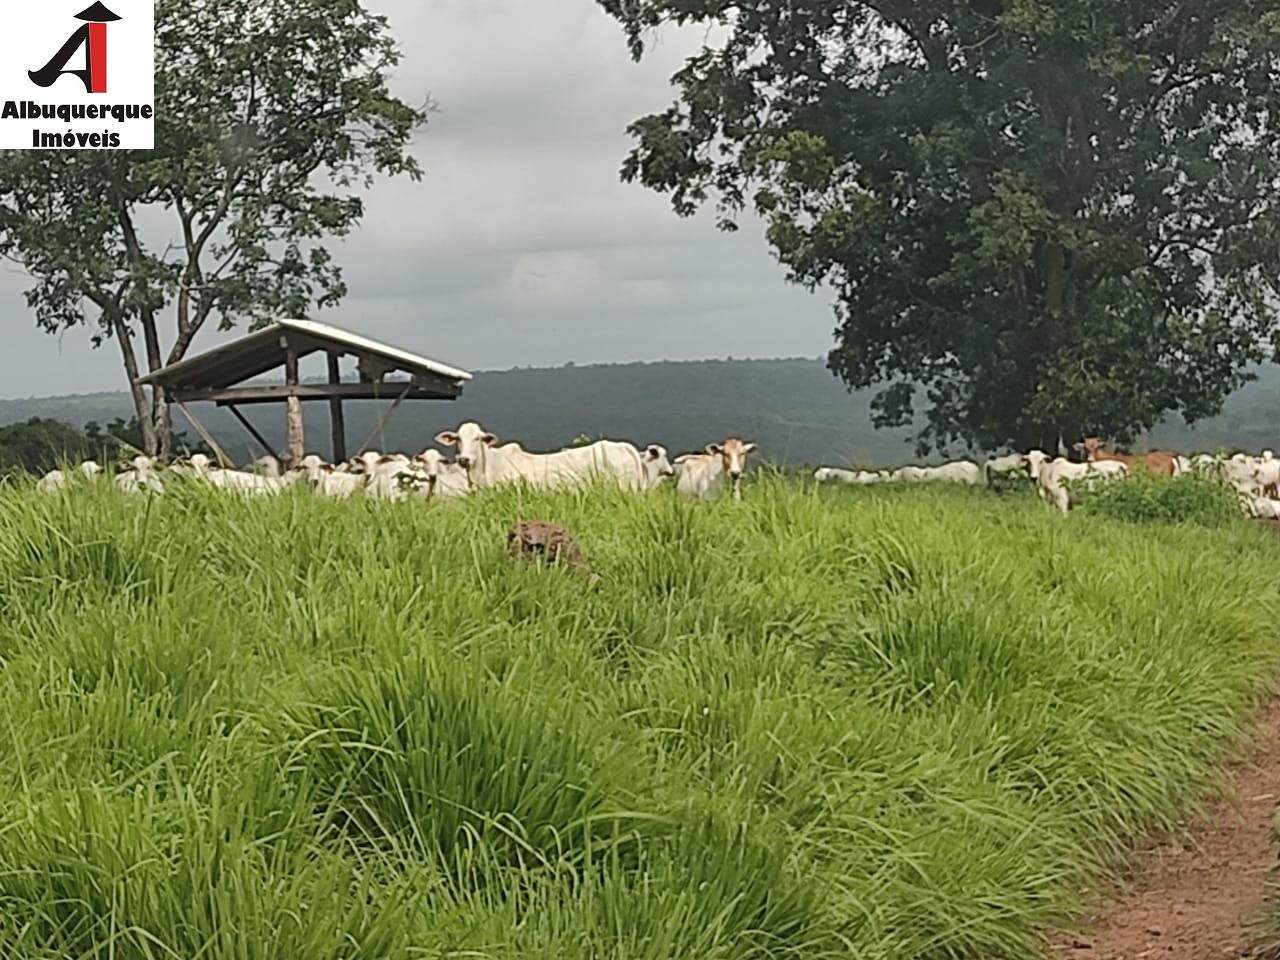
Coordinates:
[437,477]
[56,479]
[1003,466]
[956,471]
[908,474]
[655,465]
[389,478]
[704,475]
[143,478]
[267,466]
[488,465]
[839,475]
[327,480]
[1264,508]
[339,485]
[1051,475]
[364,462]
[237,481]
[1267,474]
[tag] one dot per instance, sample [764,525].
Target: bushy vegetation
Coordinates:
[1143,498]
[38,444]
[817,723]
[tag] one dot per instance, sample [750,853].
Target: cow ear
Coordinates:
[748,448]
[447,438]
[714,449]
[488,438]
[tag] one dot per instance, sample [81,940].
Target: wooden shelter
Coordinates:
[219,375]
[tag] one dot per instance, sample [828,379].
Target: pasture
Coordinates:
[873,722]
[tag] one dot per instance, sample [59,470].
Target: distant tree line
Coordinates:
[41,444]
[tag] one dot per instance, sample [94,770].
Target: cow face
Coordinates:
[733,454]
[1091,446]
[364,464]
[656,463]
[1035,462]
[470,440]
[427,466]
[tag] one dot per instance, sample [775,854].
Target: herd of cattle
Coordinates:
[1255,479]
[479,462]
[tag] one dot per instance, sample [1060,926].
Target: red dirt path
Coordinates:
[1194,895]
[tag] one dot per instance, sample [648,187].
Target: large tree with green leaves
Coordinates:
[271,115]
[1050,216]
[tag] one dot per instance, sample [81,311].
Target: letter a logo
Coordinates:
[93,36]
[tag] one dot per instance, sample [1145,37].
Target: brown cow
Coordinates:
[1157,461]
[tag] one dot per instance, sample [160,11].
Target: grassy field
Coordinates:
[818,723]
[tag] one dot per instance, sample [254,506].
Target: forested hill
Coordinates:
[794,409]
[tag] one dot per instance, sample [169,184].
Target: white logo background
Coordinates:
[33,32]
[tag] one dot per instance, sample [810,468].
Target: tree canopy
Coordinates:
[1047,216]
[270,116]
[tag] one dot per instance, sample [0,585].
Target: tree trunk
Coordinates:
[163,423]
[142,408]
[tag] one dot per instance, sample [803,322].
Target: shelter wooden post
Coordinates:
[293,449]
[337,426]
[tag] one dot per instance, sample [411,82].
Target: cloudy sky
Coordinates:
[520,246]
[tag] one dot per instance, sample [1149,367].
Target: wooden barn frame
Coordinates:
[218,376]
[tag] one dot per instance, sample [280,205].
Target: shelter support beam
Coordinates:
[337,426]
[386,418]
[205,435]
[253,432]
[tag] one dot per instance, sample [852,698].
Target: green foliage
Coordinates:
[1143,498]
[1046,216]
[123,438]
[270,114]
[39,445]
[817,723]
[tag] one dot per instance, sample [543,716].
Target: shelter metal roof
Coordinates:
[255,353]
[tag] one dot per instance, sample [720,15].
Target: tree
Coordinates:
[123,438]
[39,445]
[1053,216]
[270,115]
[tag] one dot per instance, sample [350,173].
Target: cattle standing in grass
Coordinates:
[437,477]
[704,475]
[1051,476]
[1003,467]
[1157,461]
[488,465]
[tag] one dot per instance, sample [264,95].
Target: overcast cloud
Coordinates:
[520,246]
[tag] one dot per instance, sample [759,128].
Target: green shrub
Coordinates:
[1143,498]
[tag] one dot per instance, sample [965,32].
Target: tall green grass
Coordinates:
[817,723]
